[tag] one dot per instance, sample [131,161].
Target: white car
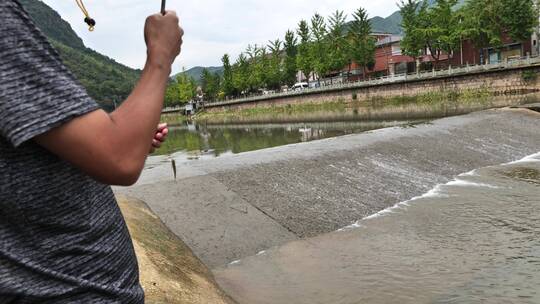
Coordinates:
[300,86]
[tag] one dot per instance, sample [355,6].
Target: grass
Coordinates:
[528,76]
[295,109]
[431,98]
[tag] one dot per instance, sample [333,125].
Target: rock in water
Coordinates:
[169,271]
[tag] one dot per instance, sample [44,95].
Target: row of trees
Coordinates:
[441,27]
[321,45]
[316,48]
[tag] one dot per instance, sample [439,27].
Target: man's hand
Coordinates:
[86,141]
[160,137]
[163,37]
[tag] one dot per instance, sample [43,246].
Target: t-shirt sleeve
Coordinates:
[37,92]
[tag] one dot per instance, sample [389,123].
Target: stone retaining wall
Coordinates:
[495,81]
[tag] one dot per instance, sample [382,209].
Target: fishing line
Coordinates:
[87,19]
[92,23]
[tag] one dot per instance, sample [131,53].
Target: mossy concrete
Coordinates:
[169,272]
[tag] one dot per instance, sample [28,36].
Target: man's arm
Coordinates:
[113,148]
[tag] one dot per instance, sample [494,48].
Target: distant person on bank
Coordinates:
[62,236]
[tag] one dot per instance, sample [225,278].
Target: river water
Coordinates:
[473,240]
[203,139]
[200,140]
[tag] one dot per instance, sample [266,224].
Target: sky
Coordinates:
[212,28]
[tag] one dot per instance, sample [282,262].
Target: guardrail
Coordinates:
[423,75]
[173,109]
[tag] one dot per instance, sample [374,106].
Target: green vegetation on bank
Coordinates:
[430,98]
[105,80]
[340,105]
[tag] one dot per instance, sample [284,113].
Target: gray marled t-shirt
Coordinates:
[62,236]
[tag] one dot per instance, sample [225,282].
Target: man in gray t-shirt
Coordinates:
[62,236]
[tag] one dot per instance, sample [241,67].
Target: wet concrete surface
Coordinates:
[473,240]
[238,205]
[218,224]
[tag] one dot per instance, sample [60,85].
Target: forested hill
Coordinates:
[196,72]
[105,79]
[389,25]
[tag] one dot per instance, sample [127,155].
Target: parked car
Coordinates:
[300,86]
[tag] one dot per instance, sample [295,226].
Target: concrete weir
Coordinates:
[236,206]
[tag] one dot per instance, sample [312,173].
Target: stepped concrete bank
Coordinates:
[235,206]
[498,79]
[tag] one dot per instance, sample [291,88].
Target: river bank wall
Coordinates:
[239,205]
[421,107]
[501,79]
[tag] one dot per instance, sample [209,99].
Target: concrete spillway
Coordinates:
[235,206]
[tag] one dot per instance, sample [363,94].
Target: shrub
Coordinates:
[529,75]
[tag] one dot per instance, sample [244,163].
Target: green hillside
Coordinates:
[105,79]
[389,25]
[196,72]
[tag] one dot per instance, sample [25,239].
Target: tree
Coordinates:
[486,22]
[291,52]
[412,43]
[187,87]
[319,46]
[181,90]
[303,61]
[210,85]
[274,71]
[362,43]
[338,44]
[441,29]
[241,73]
[172,94]
[520,17]
[227,85]
[436,28]
[258,66]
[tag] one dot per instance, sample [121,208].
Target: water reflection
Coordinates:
[203,139]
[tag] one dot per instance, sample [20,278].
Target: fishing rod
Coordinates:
[163,3]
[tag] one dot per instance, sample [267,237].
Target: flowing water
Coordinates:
[473,240]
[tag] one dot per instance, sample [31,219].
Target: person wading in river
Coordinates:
[62,236]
